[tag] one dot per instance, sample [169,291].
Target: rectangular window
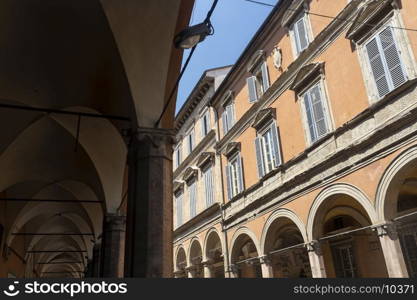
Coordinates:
[205,124]
[191,141]
[316,113]
[234,175]
[192,190]
[300,34]
[178,207]
[268,152]
[258,84]
[228,117]
[208,185]
[385,61]
[178,158]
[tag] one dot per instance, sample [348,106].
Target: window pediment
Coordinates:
[263,117]
[293,11]
[205,158]
[190,173]
[232,148]
[178,185]
[227,97]
[371,13]
[304,76]
[255,60]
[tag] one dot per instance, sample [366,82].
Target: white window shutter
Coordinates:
[240,171]
[230,116]
[224,121]
[265,76]
[318,111]
[229,182]
[302,34]
[309,115]
[259,157]
[377,66]
[253,96]
[392,57]
[276,143]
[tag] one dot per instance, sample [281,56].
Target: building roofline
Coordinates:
[247,51]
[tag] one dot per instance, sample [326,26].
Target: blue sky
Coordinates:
[235,23]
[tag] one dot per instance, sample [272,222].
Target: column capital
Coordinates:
[114,222]
[314,246]
[265,260]
[207,263]
[386,229]
[152,142]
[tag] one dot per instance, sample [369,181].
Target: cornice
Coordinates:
[282,84]
[208,139]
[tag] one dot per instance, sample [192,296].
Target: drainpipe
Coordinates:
[226,243]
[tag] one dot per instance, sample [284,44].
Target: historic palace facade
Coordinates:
[302,160]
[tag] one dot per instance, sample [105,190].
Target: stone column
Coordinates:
[392,251]
[266,265]
[208,269]
[113,238]
[191,272]
[315,255]
[233,271]
[96,260]
[149,210]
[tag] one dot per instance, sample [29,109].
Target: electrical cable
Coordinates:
[184,68]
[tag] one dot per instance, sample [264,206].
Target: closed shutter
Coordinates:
[179,209]
[275,142]
[259,157]
[193,202]
[229,182]
[224,121]
[240,174]
[377,66]
[309,115]
[300,34]
[392,57]
[265,76]
[253,95]
[208,183]
[230,116]
[318,111]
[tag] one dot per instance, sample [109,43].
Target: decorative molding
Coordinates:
[205,158]
[178,185]
[370,13]
[306,74]
[190,173]
[277,56]
[264,116]
[293,11]
[232,148]
[229,95]
[256,58]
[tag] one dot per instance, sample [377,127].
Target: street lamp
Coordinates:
[193,35]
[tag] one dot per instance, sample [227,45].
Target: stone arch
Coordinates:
[282,213]
[209,233]
[403,160]
[344,189]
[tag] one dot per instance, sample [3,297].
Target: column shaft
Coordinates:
[113,246]
[149,216]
